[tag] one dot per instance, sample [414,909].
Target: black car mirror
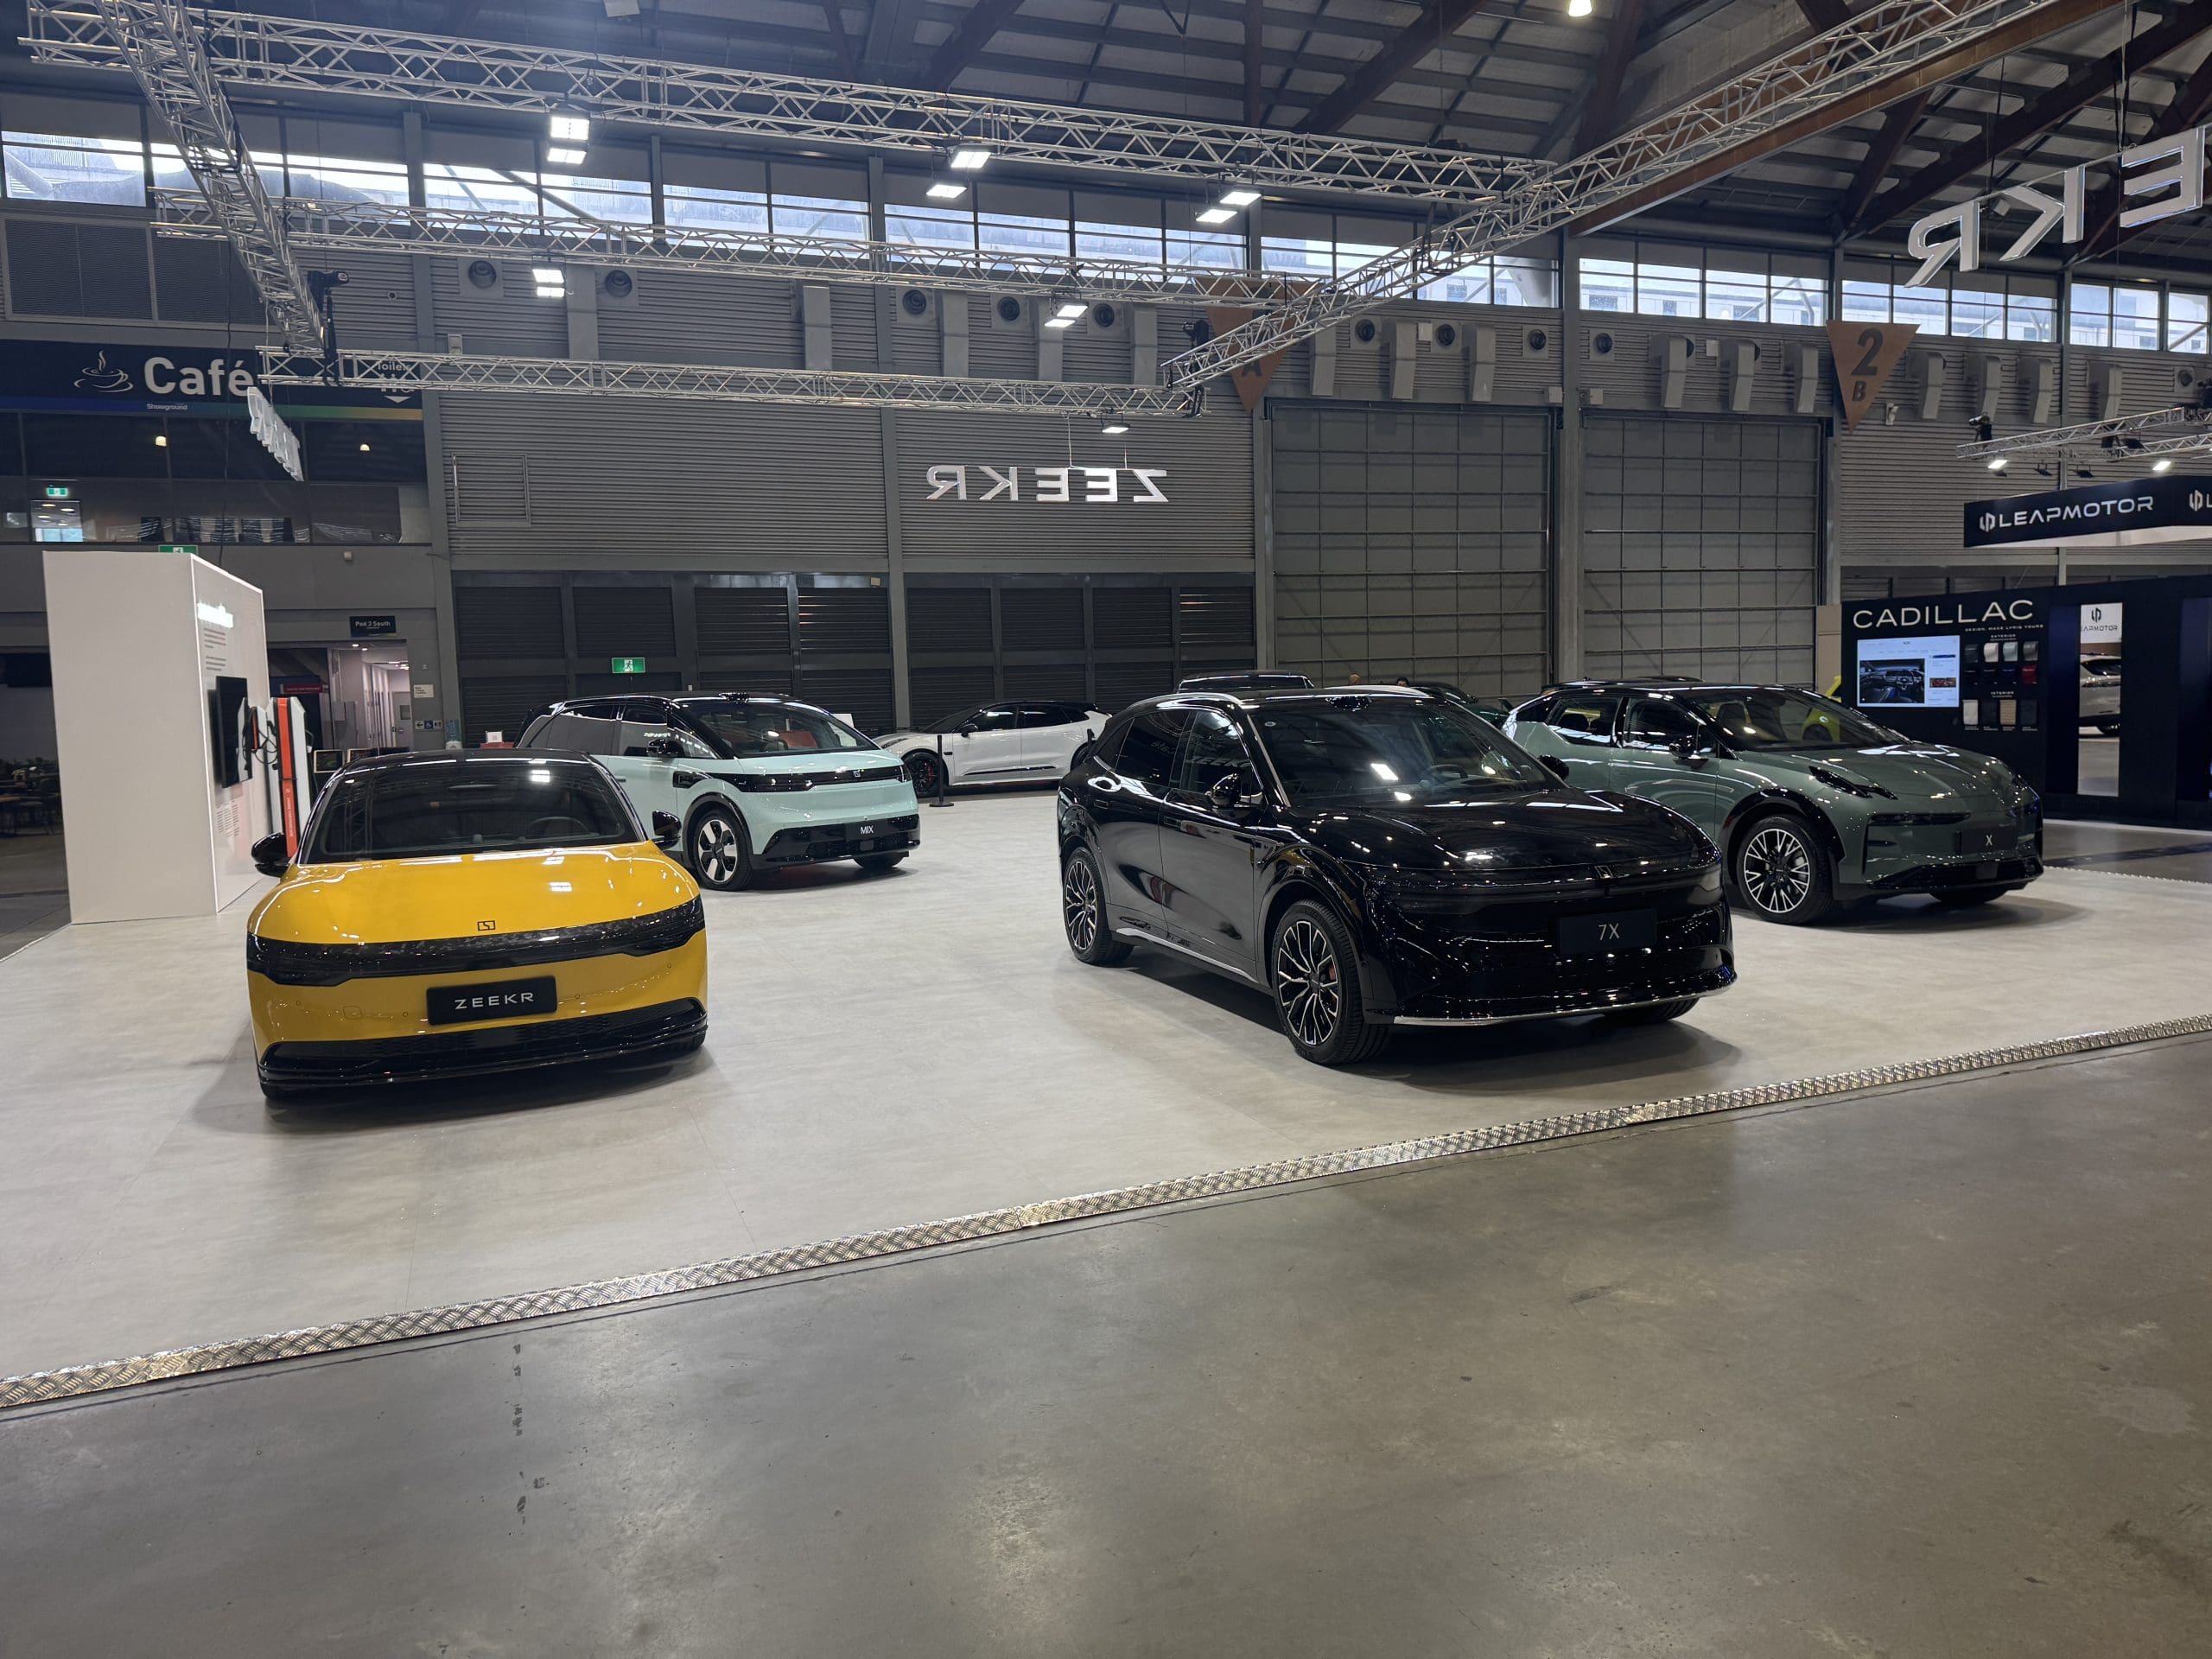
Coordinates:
[664,747]
[1686,747]
[1554,765]
[269,855]
[969,730]
[1225,792]
[667,830]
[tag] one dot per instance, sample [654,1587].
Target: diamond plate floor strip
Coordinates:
[42,1387]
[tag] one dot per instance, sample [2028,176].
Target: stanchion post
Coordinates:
[941,773]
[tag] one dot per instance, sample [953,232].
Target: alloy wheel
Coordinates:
[1079,905]
[715,849]
[1309,982]
[1777,870]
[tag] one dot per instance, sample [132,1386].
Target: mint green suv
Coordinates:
[1812,803]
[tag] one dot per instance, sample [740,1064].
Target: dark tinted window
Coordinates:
[1766,717]
[1653,724]
[1148,751]
[1214,749]
[1389,751]
[1583,715]
[1049,713]
[746,729]
[468,806]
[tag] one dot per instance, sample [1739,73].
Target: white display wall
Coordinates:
[141,640]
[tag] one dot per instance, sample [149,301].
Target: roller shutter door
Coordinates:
[1700,541]
[1412,542]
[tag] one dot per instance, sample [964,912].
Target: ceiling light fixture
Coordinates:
[945,190]
[969,158]
[1217,216]
[1579,8]
[1115,427]
[161,440]
[2164,464]
[1998,463]
[569,129]
[551,274]
[1239,197]
[365,449]
[560,157]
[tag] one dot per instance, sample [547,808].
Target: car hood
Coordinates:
[1923,773]
[1554,829]
[383,901]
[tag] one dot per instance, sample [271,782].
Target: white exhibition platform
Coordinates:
[900,1049]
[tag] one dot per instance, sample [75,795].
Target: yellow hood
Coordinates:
[384,901]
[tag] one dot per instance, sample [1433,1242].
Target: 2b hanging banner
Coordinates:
[1866,355]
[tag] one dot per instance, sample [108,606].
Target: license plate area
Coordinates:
[1598,936]
[506,999]
[1999,840]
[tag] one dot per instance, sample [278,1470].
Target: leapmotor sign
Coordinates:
[1061,486]
[2122,514]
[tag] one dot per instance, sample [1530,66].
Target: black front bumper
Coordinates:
[2015,869]
[819,843]
[374,1060]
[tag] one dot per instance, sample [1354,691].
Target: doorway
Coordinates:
[2097,750]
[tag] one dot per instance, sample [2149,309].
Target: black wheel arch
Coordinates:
[1297,877]
[1766,804]
[706,803]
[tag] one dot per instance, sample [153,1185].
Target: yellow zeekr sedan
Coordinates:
[456,913]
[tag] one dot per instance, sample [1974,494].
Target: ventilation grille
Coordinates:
[625,622]
[843,620]
[776,681]
[491,487]
[508,623]
[744,622]
[862,693]
[1041,618]
[60,269]
[941,691]
[602,685]
[504,704]
[1062,682]
[1131,619]
[1216,619]
[202,281]
[949,619]
[1121,685]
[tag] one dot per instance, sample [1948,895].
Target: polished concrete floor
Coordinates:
[1922,1373]
[33,887]
[2170,854]
[883,1052]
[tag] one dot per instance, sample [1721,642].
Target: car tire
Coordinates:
[877,863]
[926,771]
[1313,971]
[1653,1013]
[1782,871]
[716,849]
[1083,912]
[1967,898]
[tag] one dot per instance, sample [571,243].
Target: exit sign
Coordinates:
[178,547]
[57,491]
[626,666]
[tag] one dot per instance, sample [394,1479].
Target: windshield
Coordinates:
[747,729]
[1391,752]
[468,806]
[1756,717]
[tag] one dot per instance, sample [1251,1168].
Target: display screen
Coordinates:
[1921,672]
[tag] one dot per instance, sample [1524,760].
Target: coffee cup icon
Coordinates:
[98,377]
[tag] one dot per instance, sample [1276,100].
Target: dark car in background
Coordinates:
[1377,857]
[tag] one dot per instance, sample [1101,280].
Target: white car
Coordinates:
[1019,741]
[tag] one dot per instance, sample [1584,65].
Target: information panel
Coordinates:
[1919,672]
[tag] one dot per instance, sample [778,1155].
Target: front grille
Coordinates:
[286,963]
[782,782]
[492,1048]
[824,842]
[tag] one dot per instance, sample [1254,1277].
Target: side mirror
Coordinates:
[269,855]
[1554,765]
[969,730]
[665,747]
[1225,792]
[1685,747]
[667,829]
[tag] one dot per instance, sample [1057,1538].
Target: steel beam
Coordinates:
[1439,21]
[1601,97]
[691,383]
[2163,431]
[159,45]
[969,35]
[273,55]
[1803,89]
[369,227]
[1882,154]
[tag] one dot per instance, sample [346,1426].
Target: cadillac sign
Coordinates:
[2128,512]
[2166,173]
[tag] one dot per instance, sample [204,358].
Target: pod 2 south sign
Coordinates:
[1049,486]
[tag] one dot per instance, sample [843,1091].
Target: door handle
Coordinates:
[1103,785]
[686,779]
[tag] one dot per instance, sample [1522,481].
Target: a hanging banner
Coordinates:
[1867,353]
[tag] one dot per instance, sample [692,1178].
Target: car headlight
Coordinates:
[1836,780]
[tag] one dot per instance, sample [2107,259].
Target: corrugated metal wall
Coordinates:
[621,480]
[1411,542]
[1700,547]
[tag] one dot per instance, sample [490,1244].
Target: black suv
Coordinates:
[1377,858]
